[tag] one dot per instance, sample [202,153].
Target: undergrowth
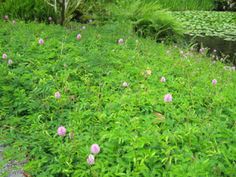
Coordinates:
[139,134]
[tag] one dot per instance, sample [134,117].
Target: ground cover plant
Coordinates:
[27,10]
[220,24]
[60,12]
[101,101]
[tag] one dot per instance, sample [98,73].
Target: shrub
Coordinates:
[149,20]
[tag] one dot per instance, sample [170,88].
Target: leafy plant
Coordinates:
[64,9]
[96,11]
[148,19]
[28,10]
[182,5]
[209,23]
[139,134]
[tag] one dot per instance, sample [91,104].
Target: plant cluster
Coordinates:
[58,11]
[64,9]
[220,24]
[29,10]
[182,5]
[148,109]
[148,19]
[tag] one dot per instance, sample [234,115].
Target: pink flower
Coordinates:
[6,17]
[202,50]
[168,98]
[78,37]
[4,56]
[91,159]
[214,82]
[9,62]
[61,131]
[41,41]
[57,95]
[163,79]
[95,149]
[120,41]
[125,84]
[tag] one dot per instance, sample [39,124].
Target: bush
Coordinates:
[149,20]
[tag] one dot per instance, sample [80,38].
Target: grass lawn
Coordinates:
[138,132]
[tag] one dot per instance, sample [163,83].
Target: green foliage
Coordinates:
[139,134]
[61,13]
[182,5]
[27,9]
[148,19]
[64,9]
[221,24]
[95,10]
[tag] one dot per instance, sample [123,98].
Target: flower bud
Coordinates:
[91,159]
[168,98]
[95,149]
[41,41]
[61,131]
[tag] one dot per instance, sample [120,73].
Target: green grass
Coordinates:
[139,134]
[28,10]
[181,5]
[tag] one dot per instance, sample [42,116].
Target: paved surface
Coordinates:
[9,167]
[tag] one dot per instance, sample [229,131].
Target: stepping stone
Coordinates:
[8,167]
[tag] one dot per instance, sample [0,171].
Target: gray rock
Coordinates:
[9,167]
